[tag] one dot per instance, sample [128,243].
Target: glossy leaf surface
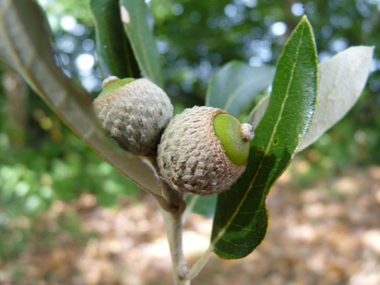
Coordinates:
[133,15]
[112,45]
[340,82]
[235,86]
[25,46]
[241,218]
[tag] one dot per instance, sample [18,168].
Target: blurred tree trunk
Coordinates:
[16,93]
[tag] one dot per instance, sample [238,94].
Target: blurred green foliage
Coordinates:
[54,164]
[201,36]
[195,38]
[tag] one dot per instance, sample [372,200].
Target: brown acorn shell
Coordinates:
[190,156]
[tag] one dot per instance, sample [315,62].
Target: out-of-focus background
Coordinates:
[67,217]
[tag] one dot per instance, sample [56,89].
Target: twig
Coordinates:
[200,263]
[189,208]
[174,232]
[172,206]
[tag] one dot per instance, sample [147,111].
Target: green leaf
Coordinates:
[133,16]
[202,205]
[258,112]
[340,83]
[234,87]
[25,46]
[112,45]
[241,217]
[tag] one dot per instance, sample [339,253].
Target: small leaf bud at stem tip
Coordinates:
[108,80]
[247,131]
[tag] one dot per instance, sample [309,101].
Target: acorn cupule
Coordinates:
[134,113]
[191,156]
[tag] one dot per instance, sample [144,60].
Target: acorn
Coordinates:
[204,151]
[133,113]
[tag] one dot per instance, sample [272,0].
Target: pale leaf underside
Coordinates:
[340,82]
[25,46]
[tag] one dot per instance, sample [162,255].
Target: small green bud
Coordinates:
[234,137]
[112,83]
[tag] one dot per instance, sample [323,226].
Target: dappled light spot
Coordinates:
[85,61]
[371,238]
[125,18]
[278,28]
[177,9]
[302,166]
[346,186]
[297,9]
[68,23]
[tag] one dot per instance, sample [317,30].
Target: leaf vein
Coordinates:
[236,212]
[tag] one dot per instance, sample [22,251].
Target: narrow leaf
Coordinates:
[204,206]
[241,217]
[340,82]
[258,112]
[114,50]
[133,16]
[25,46]
[234,87]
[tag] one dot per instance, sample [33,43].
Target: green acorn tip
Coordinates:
[234,137]
[111,83]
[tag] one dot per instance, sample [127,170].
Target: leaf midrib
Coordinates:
[222,231]
[149,69]
[13,49]
[234,94]
[242,87]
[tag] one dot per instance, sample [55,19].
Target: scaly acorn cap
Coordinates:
[204,151]
[134,113]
